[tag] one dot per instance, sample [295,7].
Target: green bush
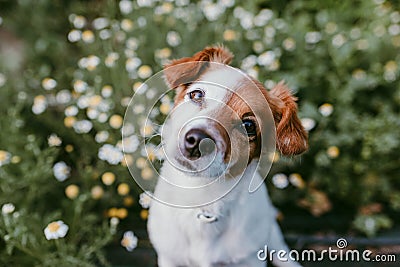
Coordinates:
[75,65]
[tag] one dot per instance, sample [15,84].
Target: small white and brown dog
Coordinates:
[209,225]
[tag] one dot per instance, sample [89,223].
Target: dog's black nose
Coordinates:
[197,143]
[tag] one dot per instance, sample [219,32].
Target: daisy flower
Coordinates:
[308,123]
[83,126]
[63,97]
[56,230]
[173,38]
[326,109]
[127,129]
[125,6]
[39,104]
[74,36]
[111,154]
[130,144]
[100,23]
[54,140]
[129,241]
[101,136]
[49,83]
[4,157]
[61,171]
[145,199]
[7,208]
[280,180]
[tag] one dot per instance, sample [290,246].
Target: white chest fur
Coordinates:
[229,231]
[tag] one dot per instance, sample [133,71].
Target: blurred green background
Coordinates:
[67,72]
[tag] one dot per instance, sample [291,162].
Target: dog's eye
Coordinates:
[196,95]
[250,127]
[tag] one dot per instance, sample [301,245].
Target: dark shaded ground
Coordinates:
[388,243]
[146,257]
[302,231]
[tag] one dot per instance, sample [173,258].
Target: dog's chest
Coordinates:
[210,232]
[228,230]
[207,222]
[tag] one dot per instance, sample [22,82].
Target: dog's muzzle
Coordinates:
[202,146]
[197,143]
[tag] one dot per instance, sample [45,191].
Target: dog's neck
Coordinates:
[202,190]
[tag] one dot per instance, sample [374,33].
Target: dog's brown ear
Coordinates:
[291,137]
[188,69]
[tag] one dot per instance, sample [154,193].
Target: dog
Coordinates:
[225,225]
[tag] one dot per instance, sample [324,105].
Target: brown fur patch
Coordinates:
[291,137]
[245,108]
[179,73]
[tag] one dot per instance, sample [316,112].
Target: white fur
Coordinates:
[219,82]
[246,223]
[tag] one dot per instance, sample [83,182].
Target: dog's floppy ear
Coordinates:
[188,69]
[291,137]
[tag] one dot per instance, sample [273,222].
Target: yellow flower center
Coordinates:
[3,155]
[147,130]
[274,157]
[95,100]
[229,35]
[69,121]
[15,159]
[122,213]
[69,148]
[123,189]
[165,108]
[88,36]
[144,71]
[147,173]
[128,160]
[39,98]
[136,86]
[163,53]
[112,212]
[72,191]
[125,242]
[151,155]
[128,201]
[126,25]
[116,121]
[97,192]
[108,178]
[144,214]
[53,227]
[333,152]
[167,7]
[141,163]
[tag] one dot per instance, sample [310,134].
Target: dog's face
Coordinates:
[220,113]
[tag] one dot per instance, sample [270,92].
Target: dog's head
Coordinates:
[213,127]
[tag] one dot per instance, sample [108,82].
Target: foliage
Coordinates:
[82,61]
